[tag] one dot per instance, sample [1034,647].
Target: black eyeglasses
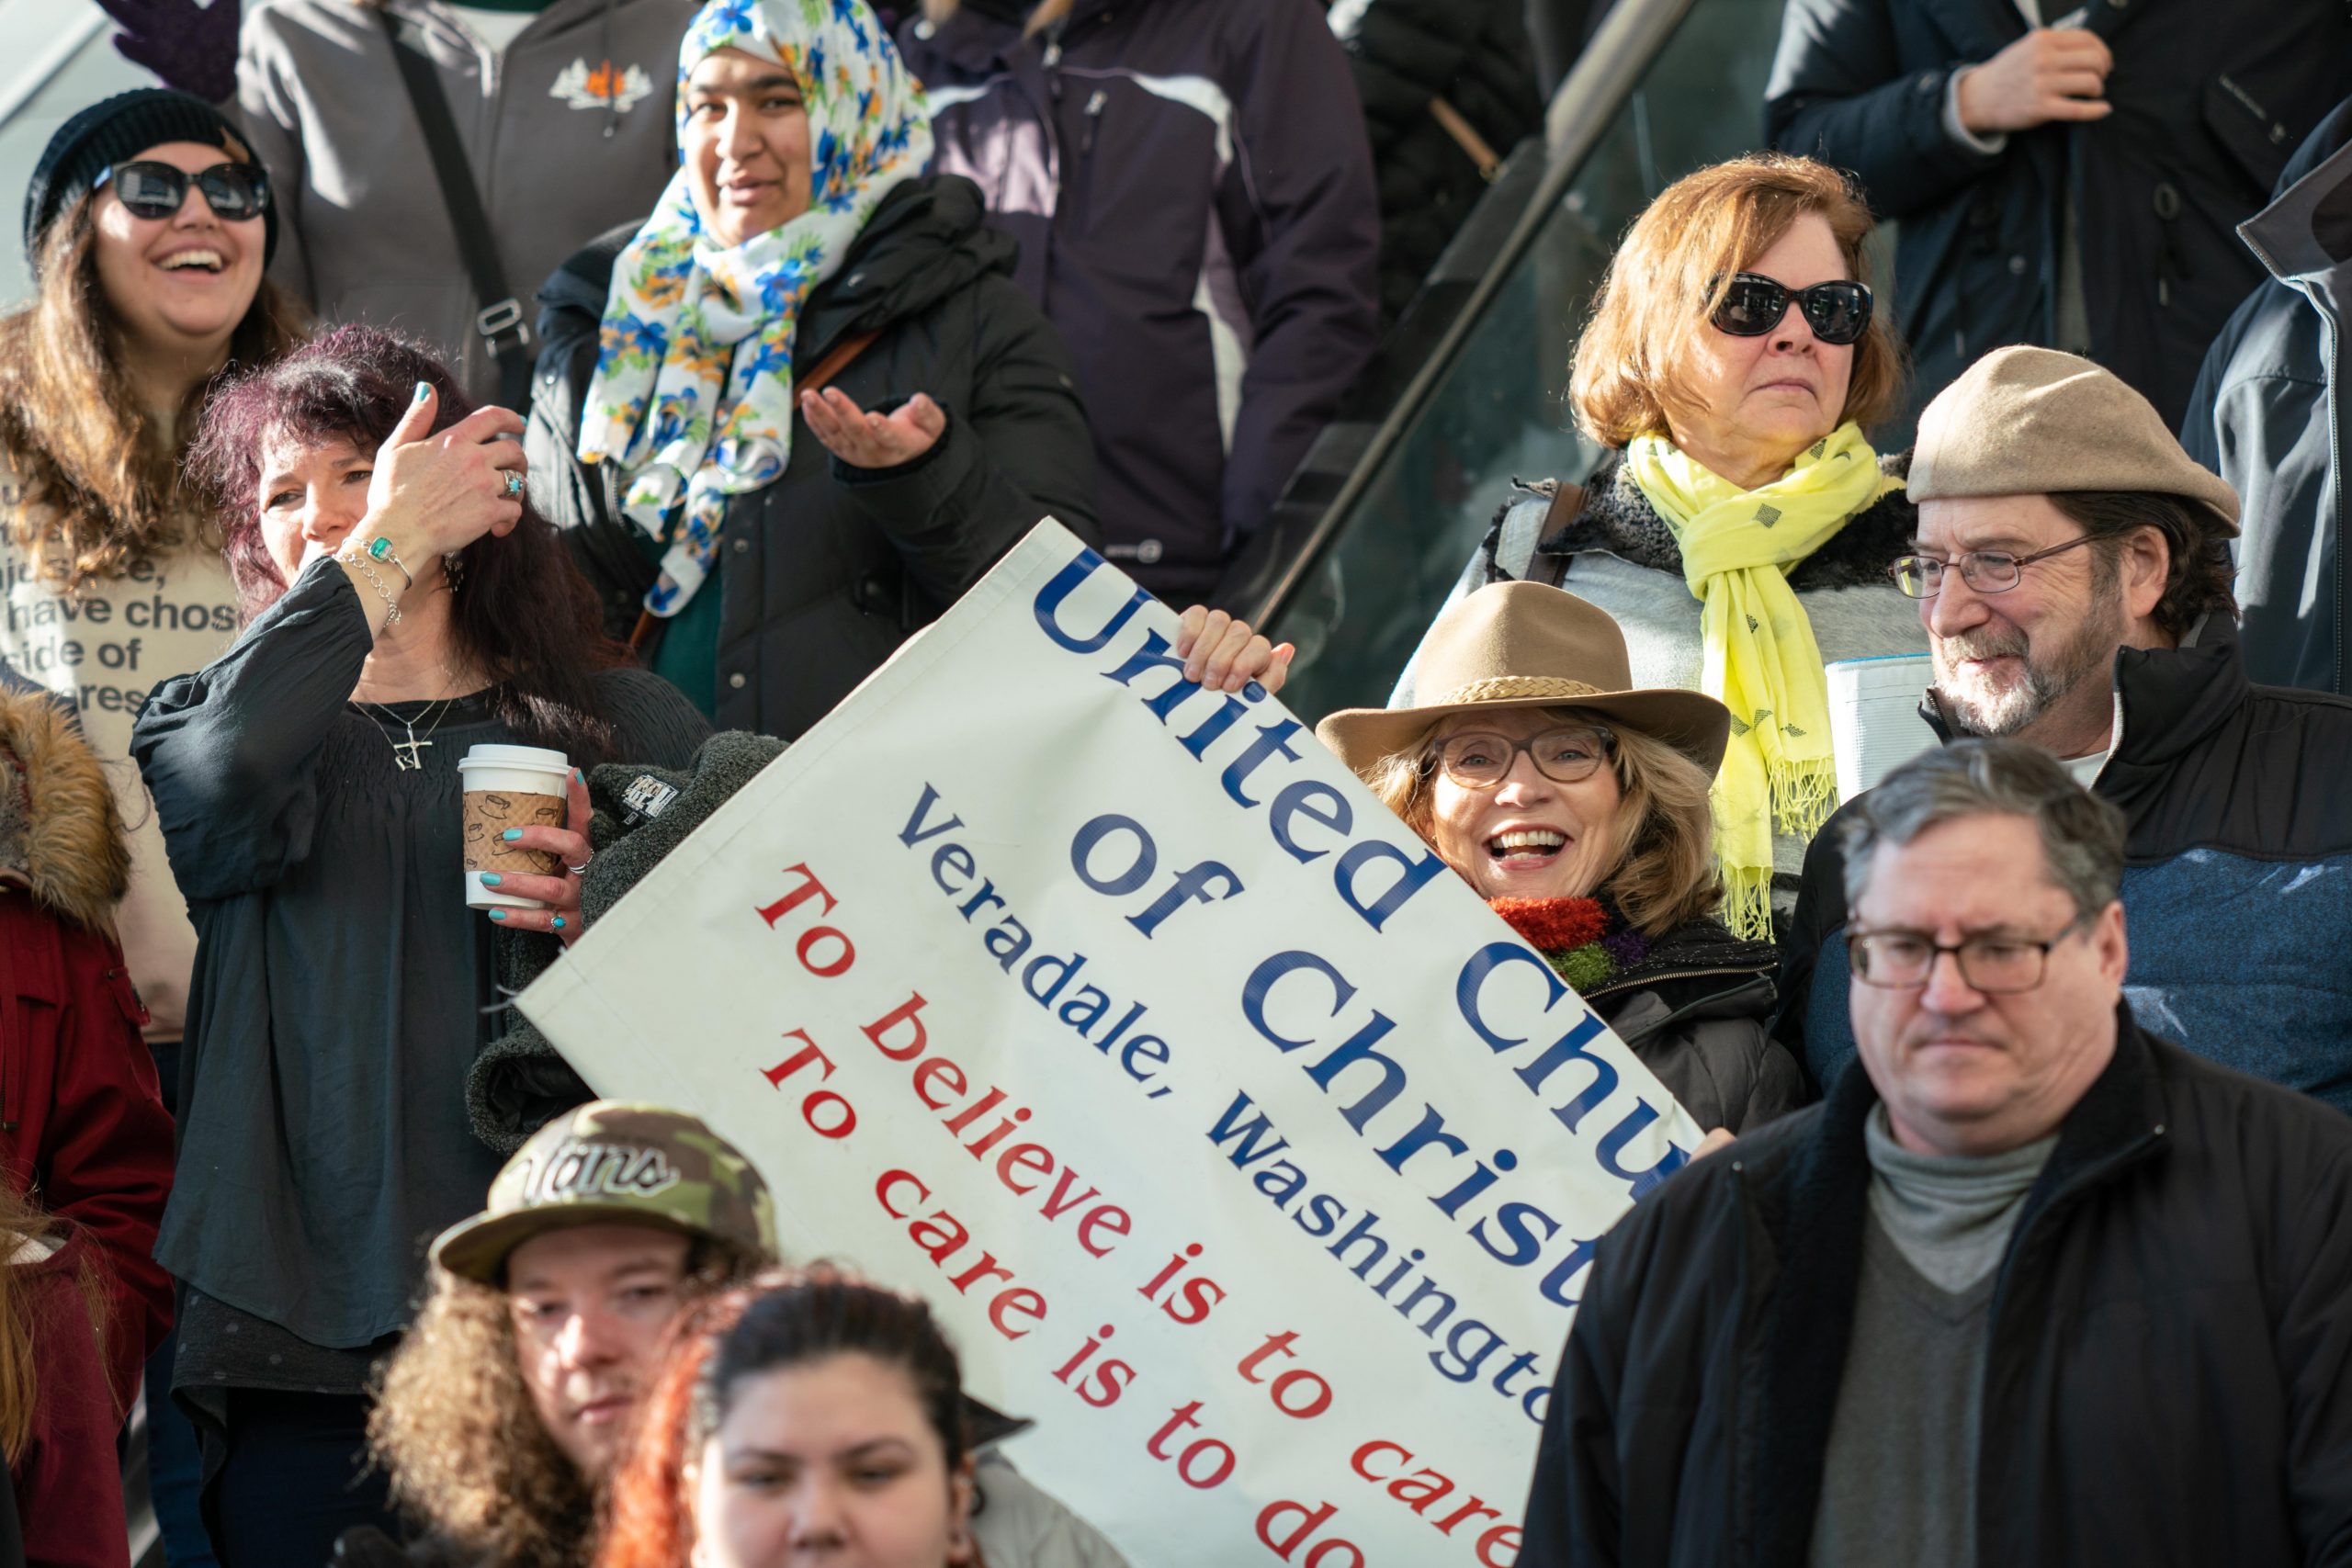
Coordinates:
[1988,571]
[1752,305]
[1567,755]
[1995,965]
[237,193]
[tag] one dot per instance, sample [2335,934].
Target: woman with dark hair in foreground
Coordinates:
[404,603]
[809,1418]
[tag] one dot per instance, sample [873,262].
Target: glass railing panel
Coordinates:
[1498,411]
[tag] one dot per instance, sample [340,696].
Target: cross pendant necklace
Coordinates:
[407,754]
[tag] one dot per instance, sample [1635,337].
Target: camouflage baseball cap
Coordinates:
[610,1162]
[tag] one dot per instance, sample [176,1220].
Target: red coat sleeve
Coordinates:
[69,1484]
[82,1122]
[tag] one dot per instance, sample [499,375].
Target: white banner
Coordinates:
[1232,1137]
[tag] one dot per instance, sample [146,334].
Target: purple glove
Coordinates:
[191,47]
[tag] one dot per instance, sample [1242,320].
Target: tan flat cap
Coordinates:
[1526,645]
[2031,420]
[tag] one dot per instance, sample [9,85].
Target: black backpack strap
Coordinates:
[500,318]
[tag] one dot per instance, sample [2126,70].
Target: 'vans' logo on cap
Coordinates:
[575,1168]
[622,89]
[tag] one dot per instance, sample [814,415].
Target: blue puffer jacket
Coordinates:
[2237,883]
[2267,416]
[1192,188]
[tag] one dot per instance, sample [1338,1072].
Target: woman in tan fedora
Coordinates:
[1577,806]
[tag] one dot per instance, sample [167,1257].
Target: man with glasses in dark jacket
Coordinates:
[2032,1287]
[2071,569]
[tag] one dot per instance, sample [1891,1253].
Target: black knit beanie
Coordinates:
[120,127]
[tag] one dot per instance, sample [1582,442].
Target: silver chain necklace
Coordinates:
[406,755]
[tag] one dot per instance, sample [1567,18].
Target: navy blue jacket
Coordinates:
[1192,188]
[2237,882]
[2209,95]
[2264,416]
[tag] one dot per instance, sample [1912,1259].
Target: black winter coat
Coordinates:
[2268,416]
[1476,55]
[2208,100]
[1695,1011]
[829,569]
[2169,1376]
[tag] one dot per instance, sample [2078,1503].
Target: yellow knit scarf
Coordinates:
[1759,658]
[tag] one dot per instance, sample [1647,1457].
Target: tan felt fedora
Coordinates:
[1527,645]
[2031,420]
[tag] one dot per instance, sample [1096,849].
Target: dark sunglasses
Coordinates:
[235,192]
[1753,305]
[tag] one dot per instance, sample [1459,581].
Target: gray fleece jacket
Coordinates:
[569,130]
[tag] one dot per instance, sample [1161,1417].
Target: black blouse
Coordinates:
[342,986]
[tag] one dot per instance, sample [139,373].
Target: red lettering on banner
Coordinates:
[941,1236]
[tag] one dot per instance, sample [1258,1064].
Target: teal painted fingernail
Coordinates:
[489,879]
[511,834]
[580,778]
[559,922]
[422,389]
[498,915]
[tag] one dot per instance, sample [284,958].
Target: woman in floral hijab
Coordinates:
[799,246]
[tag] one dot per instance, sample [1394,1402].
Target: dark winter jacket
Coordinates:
[2265,417]
[2168,1379]
[81,1119]
[67,1485]
[825,572]
[2238,878]
[1695,1011]
[1404,54]
[2208,100]
[1191,187]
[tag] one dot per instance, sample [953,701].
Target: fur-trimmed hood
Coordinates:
[61,836]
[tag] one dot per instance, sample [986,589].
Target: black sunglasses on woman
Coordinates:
[1753,304]
[237,193]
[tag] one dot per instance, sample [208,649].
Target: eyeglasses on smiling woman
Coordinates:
[1569,754]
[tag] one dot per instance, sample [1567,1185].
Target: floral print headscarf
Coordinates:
[693,392]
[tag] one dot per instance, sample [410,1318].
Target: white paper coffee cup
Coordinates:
[510,786]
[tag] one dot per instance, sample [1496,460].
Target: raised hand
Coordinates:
[434,493]
[191,47]
[872,440]
[1224,654]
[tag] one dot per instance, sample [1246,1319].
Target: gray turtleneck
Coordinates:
[1899,1477]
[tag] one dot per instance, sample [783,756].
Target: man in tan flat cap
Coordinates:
[2072,570]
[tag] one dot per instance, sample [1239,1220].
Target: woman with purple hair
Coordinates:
[403,603]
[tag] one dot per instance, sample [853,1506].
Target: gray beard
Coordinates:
[2086,655]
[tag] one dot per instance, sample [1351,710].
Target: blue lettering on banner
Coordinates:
[1375,878]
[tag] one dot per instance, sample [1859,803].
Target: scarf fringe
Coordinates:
[1805,793]
[1747,901]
